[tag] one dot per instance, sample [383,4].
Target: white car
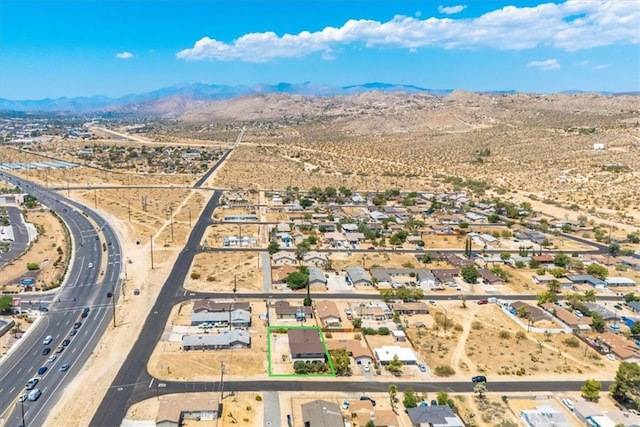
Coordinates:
[432,302]
[568,403]
[611,357]
[53,358]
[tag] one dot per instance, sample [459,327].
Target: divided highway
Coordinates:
[87,284]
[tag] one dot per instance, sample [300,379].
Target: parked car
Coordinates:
[422,368]
[433,303]
[366,368]
[483,301]
[345,404]
[568,403]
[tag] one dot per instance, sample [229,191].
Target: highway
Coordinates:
[87,283]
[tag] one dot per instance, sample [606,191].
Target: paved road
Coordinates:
[87,283]
[132,378]
[20,236]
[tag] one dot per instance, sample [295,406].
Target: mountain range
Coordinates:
[213,92]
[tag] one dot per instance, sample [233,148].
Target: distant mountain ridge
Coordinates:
[214,92]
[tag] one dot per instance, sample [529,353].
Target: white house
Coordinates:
[386,353]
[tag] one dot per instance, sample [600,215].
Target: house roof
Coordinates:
[388,352]
[534,313]
[321,413]
[211,305]
[439,415]
[386,274]
[234,316]
[285,308]
[283,255]
[305,341]
[566,316]
[314,256]
[354,348]
[381,417]
[542,258]
[172,405]
[357,274]
[225,338]
[620,346]
[316,275]
[327,309]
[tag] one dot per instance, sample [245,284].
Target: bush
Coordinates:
[504,335]
[258,398]
[195,276]
[572,342]
[444,371]
[33,266]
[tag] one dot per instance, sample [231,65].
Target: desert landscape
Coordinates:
[516,147]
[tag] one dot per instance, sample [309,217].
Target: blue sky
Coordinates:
[50,49]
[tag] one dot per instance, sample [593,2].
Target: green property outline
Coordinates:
[324,344]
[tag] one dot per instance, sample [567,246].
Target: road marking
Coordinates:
[151,383]
[12,389]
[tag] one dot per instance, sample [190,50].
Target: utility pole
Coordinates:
[235,287]
[221,380]
[171,220]
[22,409]
[151,242]
[189,217]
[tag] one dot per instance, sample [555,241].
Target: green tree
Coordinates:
[393,393]
[469,274]
[480,389]
[442,397]
[306,203]
[387,295]
[561,260]
[634,237]
[635,328]
[614,249]
[505,256]
[356,322]
[591,390]
[597,322]
[493,218]
[273,248]
[340,359]
[370,423]
[598,271]
[425,259]
[6,301]
[627,382]
[589,296]
[554,286]
[302,248]
[395,365]
[546,297]
[566,228]
[410,399]
[297,280]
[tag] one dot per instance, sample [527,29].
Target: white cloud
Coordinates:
[124,55]
[583,63]
[571,26]
[602,66]
[549,64]
[451,10]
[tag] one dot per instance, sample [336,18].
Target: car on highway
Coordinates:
[47,340]
[23,397]
[85,312]
[42,370]
[479,379]
[60,349]
[34,395]
[46,351]
[77,325]
[73,332]
[43,309]
[66,342]
[65,367]
[52,358]
[90,265]
[31,383]
[109,294]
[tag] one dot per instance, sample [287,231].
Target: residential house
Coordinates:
[284,310]
[544,416]
[533,313]
[357,276]
[243,241]
[335,238]
[235,338]
[619,346]
[544,259]
[283,258]
[602,311]
[634,306]
[211,306]
[285,238]
[446,276]
[489,278]
[411,308]
[360,354]
[237,318]
[434,416]
[385,354]
[174,409]
[532,235]
[355,238]
[321,413]
[619,281]
[576,323]
[327,227]
[587,279]
[458,261]
[398,335]
[306,345]
[317,279]
[315,258]
[402,276]
[380,417]
[630,262]
[543,279]
[279,275]
[582,410]
[283,227]
[328,313]
[378,312]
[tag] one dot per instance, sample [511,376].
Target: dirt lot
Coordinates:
[44,252]
[221,271]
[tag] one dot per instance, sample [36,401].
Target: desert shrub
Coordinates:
[444,371]
[32,266]
[211,279]
[476,325]
[195,276]
[258,398]
[504,335]
[520,372]
[572,342]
